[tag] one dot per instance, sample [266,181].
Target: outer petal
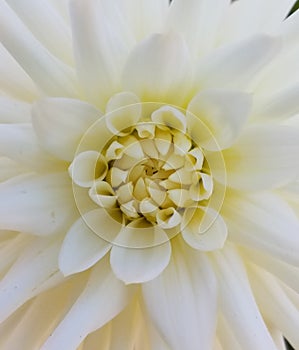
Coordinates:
[182,301]
[51,75]
[264,222]
[40,205]
[263,157]
[60,123]
[35,270]
[197,21]
[273,301]
[223,112]
[236,65]
[152,75]
[102,42]
[103,298]
[14,111]
[238,305]
[141,254]
[81,247]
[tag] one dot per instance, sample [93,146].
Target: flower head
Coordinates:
[149,174]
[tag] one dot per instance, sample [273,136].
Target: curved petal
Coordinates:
[50,74]
[263,157]
[81,247]
[14,111]
[182,301]
[141,254]
[152,75]
[102,41]
[238,305]
[102,299]
[223,112]
[60,123]
[263,222]
[204,229]
[40,205]
[235,65]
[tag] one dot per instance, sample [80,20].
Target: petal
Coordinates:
[263,222]
[102,41]
[171,117]
[60,123]
[51,75]
[102,299]
[263,157]
[197,21]
[41,18]
[34,271]
[13,80]
[235,65]
[182,301]
[14,111]
[223,112]
[204,229]
[141,253]
[19,142]
[273,301]
[40,205]
[152,76]
[82,248]
[238,305]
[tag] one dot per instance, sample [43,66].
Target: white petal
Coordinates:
[13,80]
[238,304]
[198,21]
[82,248]
[60,123]
[141,254]
[273,301]
[41,18]
[19,142]
[171,117]
[36,267]
[14,111]
[152,75]
[51,75]
[39,205]
[101,43]
[10,168]
[236,65]
[123,110]
[223,112]
[182,302]
[102,194]
[263,222]
[225,335]
[168,218]
[263,157]
[204,229]
[102,299]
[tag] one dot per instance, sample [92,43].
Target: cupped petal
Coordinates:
[204,229]
[152,75]
[263,222]
[171,117]
[81,247]
[140,253]
[37,204]
[235,65]
[182,301]
[42,18]
[197,21]
[223,112]
[35,270]
[273,301]
[50,74]
[263,157]
[102,41]
[19,142]
[237,303]
[102,299]
[61,122]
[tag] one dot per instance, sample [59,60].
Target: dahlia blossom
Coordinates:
[149,195]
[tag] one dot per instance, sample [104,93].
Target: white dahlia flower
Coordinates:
[149,195]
